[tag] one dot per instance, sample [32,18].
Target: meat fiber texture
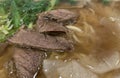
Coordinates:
[25,63]
[40,41]
[55,20]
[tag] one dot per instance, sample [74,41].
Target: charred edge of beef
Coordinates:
[25,63]
[62,16]
[40,41]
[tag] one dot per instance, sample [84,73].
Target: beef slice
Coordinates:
[25,63]
[50,27]
[61,16]
[39,41]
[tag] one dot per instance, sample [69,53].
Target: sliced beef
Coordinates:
[61,16]
[39,41]
[25,63]
[33,44]
[50,27]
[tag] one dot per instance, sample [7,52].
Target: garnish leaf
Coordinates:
[15,14]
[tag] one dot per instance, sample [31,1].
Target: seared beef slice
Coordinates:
[39,41]
[25,63]
[60,16]
[55,20]
[50,27]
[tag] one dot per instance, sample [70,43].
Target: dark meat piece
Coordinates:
[50,27]
[54,21]
[25,63]
[40,41]
[61,16]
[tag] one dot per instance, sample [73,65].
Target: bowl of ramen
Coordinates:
[59,38]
